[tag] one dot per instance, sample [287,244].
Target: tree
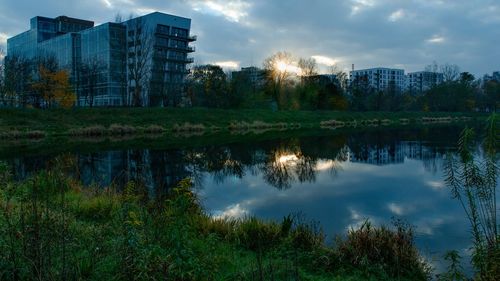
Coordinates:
[308,67]
[279,68]
[491,97]
[141,46]
[118,18]
[54,87]
[434,67]
[241,88]
[473,181]
[341,77]
[208,86]
[451,72]
[3,96]
[361,90]
[91,73]
[17,79]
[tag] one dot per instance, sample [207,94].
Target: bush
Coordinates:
[382,249]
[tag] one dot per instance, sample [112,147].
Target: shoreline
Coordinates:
[36,125]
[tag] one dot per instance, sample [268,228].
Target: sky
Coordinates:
[408,34]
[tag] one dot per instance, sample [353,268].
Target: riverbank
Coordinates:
[18,124]
[57,229]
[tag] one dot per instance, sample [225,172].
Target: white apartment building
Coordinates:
[380,78]
[421,81]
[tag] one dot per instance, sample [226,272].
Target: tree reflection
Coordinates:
[281,163]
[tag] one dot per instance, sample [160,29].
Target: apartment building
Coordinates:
[379,78]
[421,81]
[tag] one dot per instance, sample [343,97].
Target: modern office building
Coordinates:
[421,81]
[143,61]
[379,78]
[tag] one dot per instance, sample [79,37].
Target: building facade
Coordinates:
[421,81]
[255,75]
[143,61]
[379,78]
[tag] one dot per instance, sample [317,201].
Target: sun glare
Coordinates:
[287,158]
[282,66]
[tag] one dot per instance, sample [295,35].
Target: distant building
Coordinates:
[74,42]
[254,74]
[494,77]
[379,78]
[421,81]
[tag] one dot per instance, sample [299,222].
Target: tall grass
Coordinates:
[97,121]
[53,228]
[473,181]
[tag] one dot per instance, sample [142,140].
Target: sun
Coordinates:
[283,67]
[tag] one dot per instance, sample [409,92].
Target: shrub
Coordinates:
[392,251]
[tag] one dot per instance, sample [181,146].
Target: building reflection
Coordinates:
[281,163]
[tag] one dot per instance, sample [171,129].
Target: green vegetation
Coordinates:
[473,182]
[55,229]
[92,122]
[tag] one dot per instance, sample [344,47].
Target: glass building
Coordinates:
[143,61]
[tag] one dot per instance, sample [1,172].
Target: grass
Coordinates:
[136,121]
[53,228]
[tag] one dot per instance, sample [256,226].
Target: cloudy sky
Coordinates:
[408,34]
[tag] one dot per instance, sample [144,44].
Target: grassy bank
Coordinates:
[55,229]
[99,122]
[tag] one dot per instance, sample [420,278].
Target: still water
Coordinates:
[337,179]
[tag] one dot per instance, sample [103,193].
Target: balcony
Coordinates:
[187,49]
[180,59]
[180,71]
[164,33]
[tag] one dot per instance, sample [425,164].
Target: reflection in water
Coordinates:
[281,163]
[339,180]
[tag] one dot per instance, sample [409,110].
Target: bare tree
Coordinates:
[308,67]
[451,72]
[140,45]
[341,77]
[433,67]
[278,72]
[118,18]
[91,72]
[17,78]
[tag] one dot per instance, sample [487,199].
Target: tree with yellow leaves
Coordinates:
[55,88]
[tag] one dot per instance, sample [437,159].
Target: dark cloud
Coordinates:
[407,34]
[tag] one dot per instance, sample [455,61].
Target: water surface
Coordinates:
[338,179]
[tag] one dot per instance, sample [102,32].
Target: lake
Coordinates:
[339,179]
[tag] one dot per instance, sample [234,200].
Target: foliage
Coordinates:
[454,271]
[382,249]
[473,182]
[54,87]
[208,87]
[452,96]
[55,229]
[17,79]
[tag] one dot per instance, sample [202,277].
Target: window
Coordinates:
[163,29]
